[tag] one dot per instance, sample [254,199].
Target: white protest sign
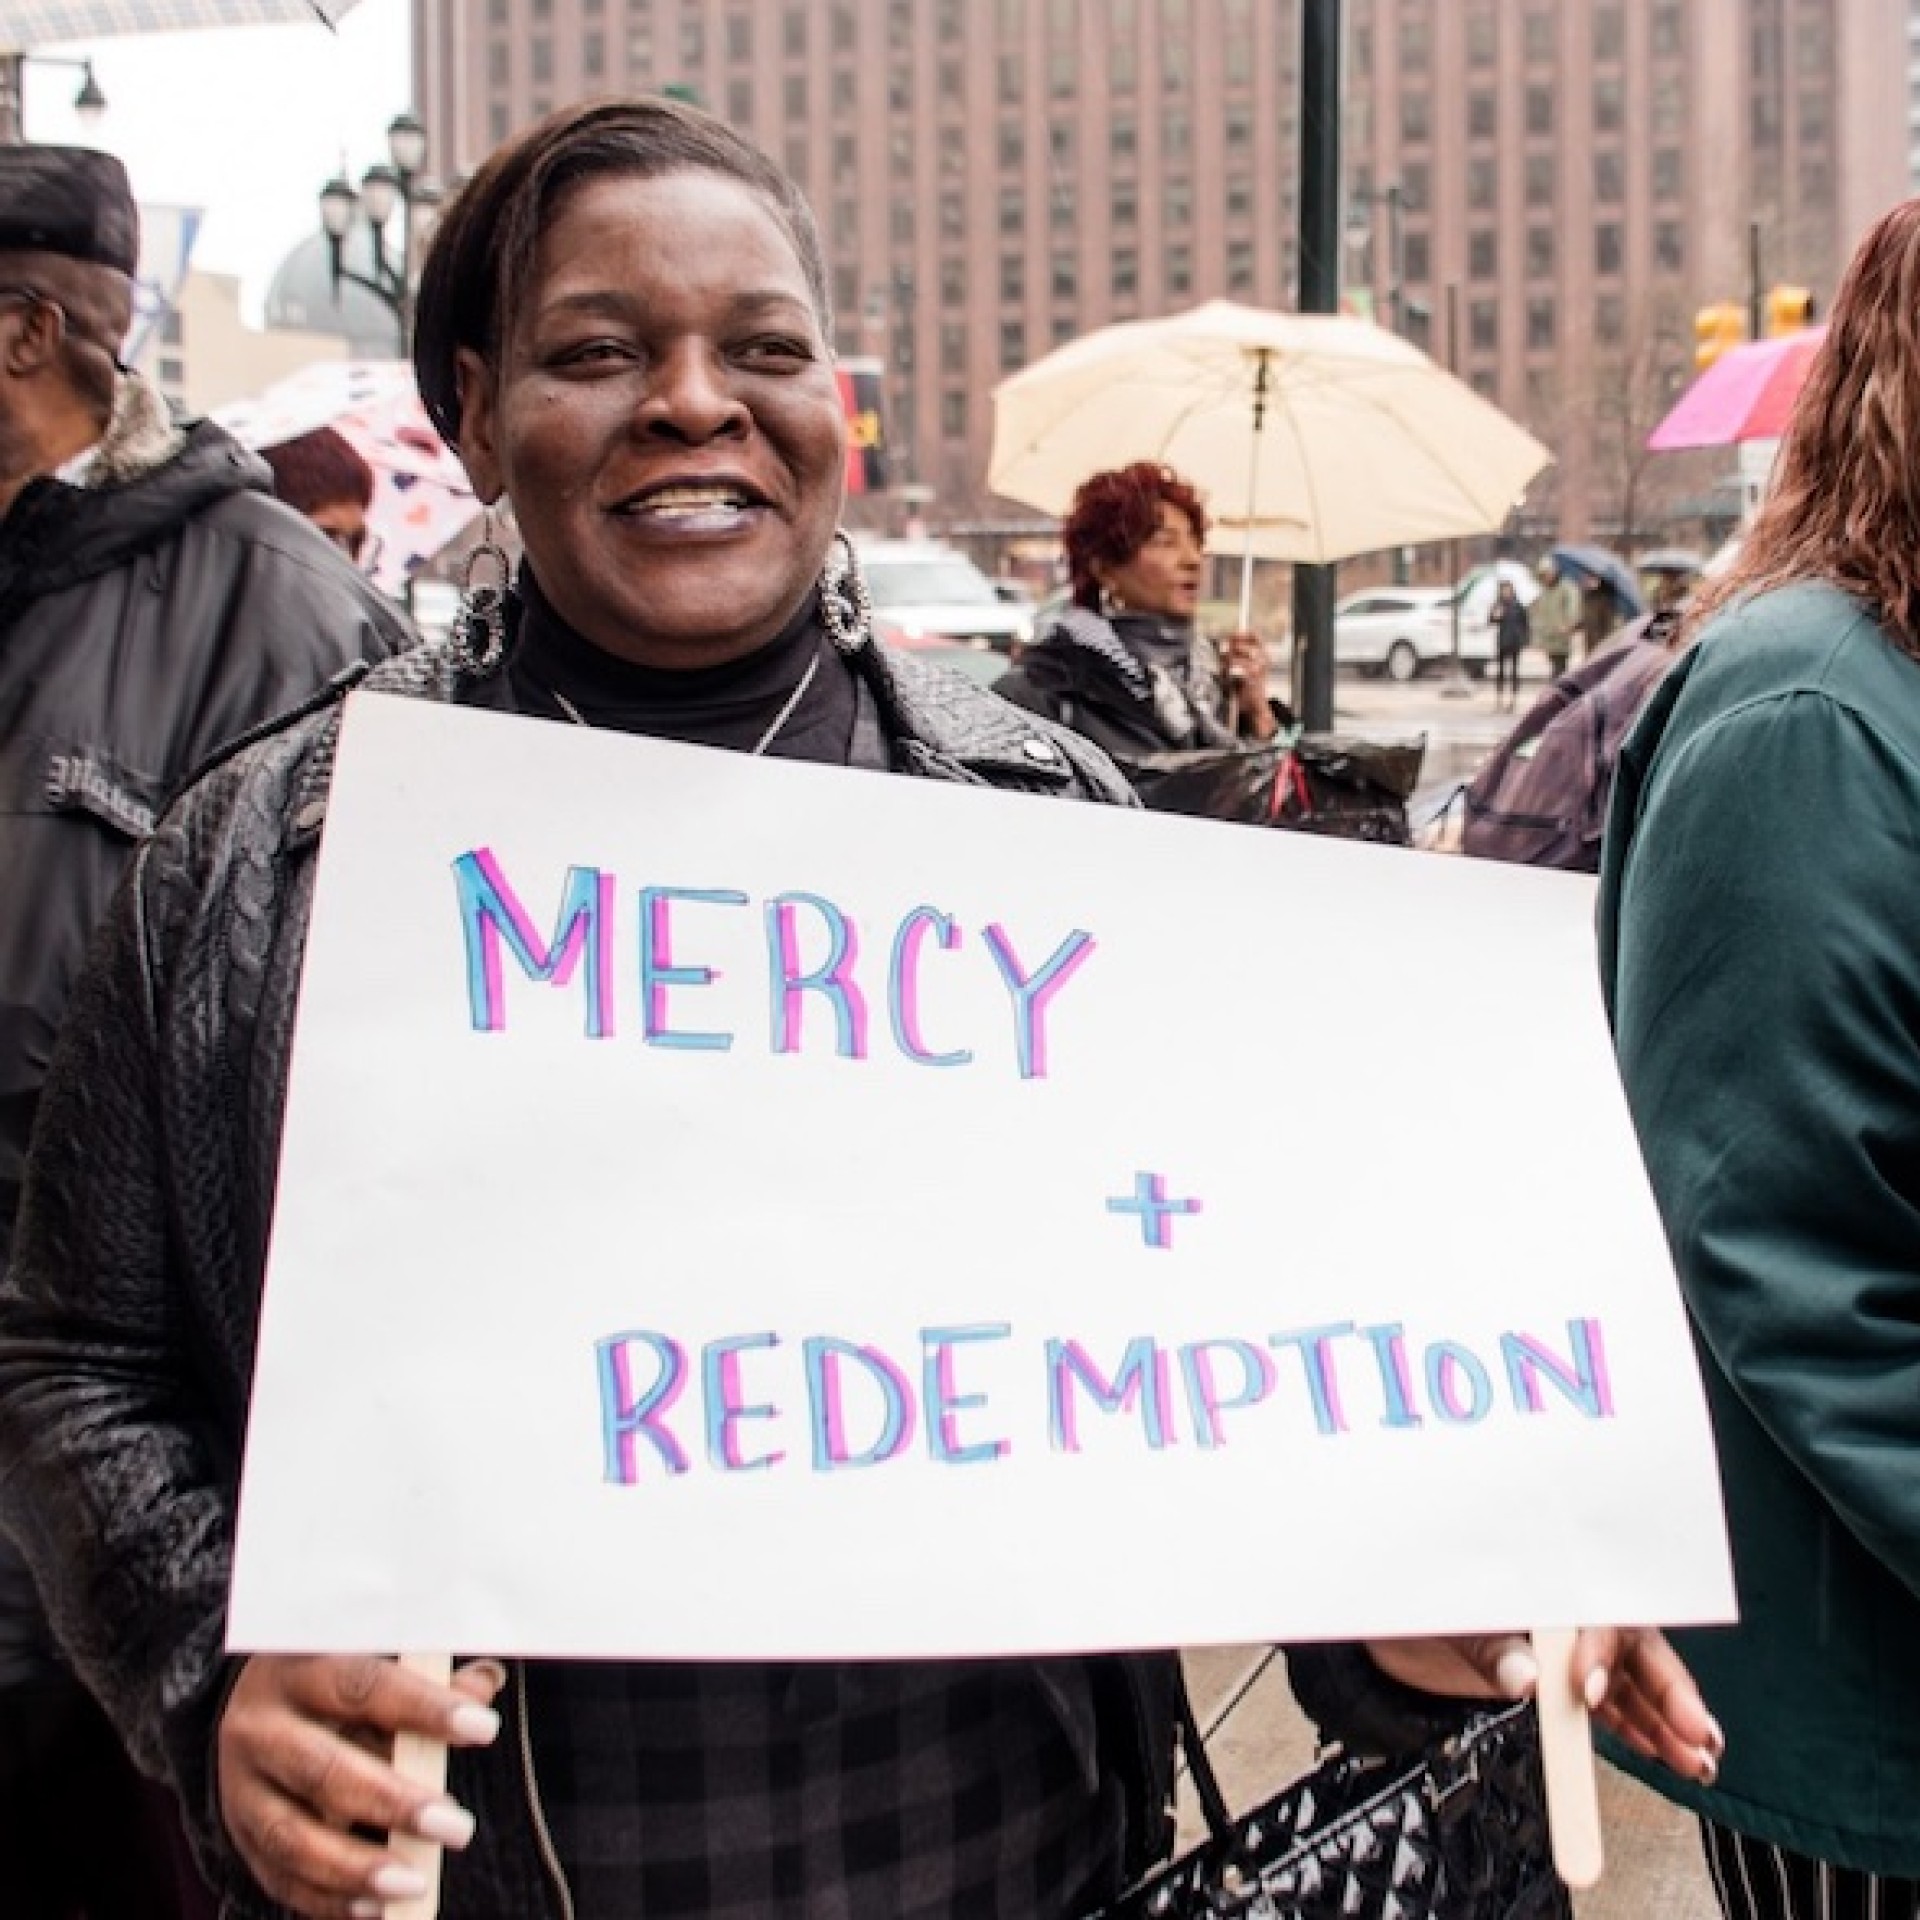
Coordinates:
[740,1209]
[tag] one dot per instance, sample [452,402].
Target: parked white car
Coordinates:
[927,589]
[1405,631]
[1396,631]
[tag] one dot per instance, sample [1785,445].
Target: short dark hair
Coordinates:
[319,469]
[483,251]
[1115,514]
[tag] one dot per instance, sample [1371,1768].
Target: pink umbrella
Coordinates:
[421,499]
[1747,394]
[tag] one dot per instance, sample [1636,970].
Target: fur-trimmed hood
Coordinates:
[146,477]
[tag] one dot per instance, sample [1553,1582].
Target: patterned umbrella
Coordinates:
[421,498]
[40,23]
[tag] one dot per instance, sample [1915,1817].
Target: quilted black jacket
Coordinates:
[127,1322]
[143,1237]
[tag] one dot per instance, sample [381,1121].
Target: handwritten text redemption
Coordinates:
[753,1402]
[813,958]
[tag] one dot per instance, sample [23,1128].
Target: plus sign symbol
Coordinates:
[1148,1202]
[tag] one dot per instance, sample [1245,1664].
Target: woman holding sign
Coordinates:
[623,326]
[1761,946]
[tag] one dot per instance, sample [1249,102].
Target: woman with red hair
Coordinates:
[1123,664]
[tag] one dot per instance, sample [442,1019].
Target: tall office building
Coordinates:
[1543,190]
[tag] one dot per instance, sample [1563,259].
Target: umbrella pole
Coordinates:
[1262,375]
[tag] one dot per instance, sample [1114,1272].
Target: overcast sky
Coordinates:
[247,124]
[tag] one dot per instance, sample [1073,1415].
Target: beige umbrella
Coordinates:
[1313,436]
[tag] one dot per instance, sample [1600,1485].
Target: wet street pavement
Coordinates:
[1654,1868]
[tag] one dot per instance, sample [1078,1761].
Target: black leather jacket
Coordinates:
[128,1321]
[144,622]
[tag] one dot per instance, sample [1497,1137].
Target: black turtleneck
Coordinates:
[730,704]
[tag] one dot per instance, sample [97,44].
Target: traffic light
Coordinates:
[1789,309]
[1715,329]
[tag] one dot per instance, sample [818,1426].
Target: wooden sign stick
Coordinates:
[1566,1752]
[423,1760]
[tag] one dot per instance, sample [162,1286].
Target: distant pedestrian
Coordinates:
[1512,635]
[1760,926]
[1556,616]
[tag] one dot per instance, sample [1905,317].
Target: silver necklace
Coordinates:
[760,746]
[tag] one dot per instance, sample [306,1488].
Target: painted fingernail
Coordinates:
[365,1910]
[445,1822]
[472,1725]
[1596,1689]
[1516,1673]
[491,1671]
[398,1883]
[1716,1740]
[1709,1769]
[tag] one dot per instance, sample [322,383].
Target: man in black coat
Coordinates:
[155,602]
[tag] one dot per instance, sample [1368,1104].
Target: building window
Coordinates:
[1179,269]
[1013,210]
[953,349]
[1608,254]
[1126,274]
[1416,116]
[1609,103]
[1483,254]
[1610,319]
[1483,325]
[1669,246]
[740,102]
[1539,252]
[1539,111]
[953,415]
[1483,182]
[1609,179]
[1669,177]
[1013,277]
[1013,344]
[593,54]
[1540,324]
[1540,172]
[1013,146]
[794,96]
[1240,266]
[1066,277]
[739,38]
[1483,118]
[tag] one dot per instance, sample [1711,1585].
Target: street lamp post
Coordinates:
[394,186]
[1359,230]
[89,102]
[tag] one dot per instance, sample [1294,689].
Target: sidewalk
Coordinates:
[1654,1866]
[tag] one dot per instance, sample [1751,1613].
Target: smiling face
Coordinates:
[665,418]
[1164,576]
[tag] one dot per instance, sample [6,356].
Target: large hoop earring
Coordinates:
[479,642]
[846,607]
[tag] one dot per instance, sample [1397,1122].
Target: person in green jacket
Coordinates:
[1760,950]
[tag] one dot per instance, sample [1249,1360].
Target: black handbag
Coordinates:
[1457,1832]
